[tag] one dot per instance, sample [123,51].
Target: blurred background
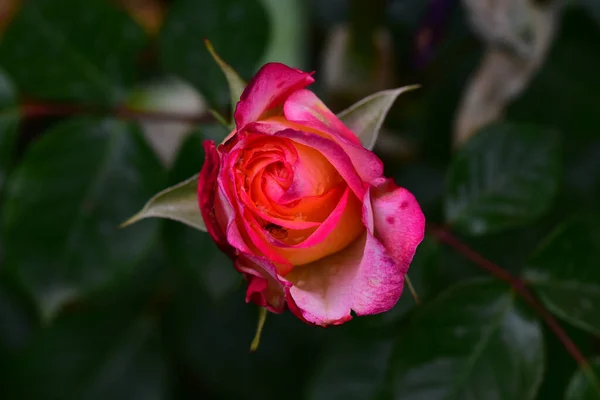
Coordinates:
[105,102]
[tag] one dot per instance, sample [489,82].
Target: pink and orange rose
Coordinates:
[303,208]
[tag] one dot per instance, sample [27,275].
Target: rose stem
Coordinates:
[519,286]
[262,316]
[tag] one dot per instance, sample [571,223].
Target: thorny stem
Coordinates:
[518,285]
[32,110]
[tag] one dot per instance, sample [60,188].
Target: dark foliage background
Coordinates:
[508,275]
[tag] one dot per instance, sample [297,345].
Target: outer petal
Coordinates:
[362,277]
[368,275]
[208,193]
[304,108]
[267,89]
[265,287]
[399,223]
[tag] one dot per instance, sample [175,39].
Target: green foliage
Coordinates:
[585,385]
[87,54]
[9,118]
[153,311]
[507,175]
[473,340]
[75,186]
[238,30]
[564,271]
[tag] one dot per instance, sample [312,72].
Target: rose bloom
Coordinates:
[302,207]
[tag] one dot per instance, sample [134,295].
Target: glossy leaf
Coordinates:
[189,249]
[9,118]
[352,369]
[178,202]
[235,83]
[238,29]
[366,116]
[72,50]
[585,384]
[564,272]
[64,204]
[505,176]
[473,341]
[94,355]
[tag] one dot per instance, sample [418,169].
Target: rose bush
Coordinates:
[303,209]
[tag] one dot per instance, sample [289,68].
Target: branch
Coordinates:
[444,236]
[34,110]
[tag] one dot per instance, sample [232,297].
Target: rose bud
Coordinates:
[303,209]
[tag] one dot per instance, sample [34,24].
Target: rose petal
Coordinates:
[208,194]
[399,223]
[267,89]
[304,106]
[334,154]
[362,277]
[313,175]
[305,109]
[265,288]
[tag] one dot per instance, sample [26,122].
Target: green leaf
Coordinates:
[351,369]
[564,272]
[473,341]
[365,117]
[239,29]
[505,176]
[72,50]
[193,251]
[17,321]
[64,204]
[104,354]
[178,202]
[211,338]
[9,119]
[236,84]
[585,384]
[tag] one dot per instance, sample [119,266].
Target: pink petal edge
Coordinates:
[267,89]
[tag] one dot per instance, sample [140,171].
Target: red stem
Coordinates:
[33,110]
[517,284]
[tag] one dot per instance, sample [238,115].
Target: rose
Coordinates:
[302,207]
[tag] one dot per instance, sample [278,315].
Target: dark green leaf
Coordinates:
[505,176]
[473,341]
[17,320]
[64,204]
[190,249]
[9,118]
[352,369]
[72,50]
[564,272]
[93,355]
[212,340]
[238,30]
[585,384]
[593,8]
